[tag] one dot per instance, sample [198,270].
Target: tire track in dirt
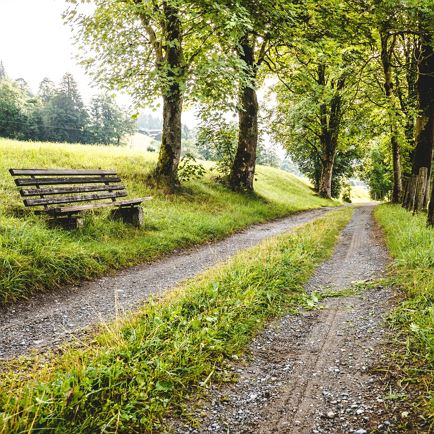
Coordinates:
[48,319]
[309,373]
[302,399]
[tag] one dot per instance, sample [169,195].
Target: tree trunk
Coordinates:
[325,187]
[330,120]
[431,208]
[170,151]
[425,120]
[408,102]
[421,187]
[172,65]
[386,53]
[396,159]
[243,167]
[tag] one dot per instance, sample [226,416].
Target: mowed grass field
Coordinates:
[35,258]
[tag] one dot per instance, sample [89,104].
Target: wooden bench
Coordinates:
[56,189]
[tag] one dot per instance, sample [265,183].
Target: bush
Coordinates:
[217,140]
[189,169]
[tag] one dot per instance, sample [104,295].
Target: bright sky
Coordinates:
[34,43]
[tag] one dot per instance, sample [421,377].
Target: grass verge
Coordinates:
[148,365]
[35,258]
[411,244]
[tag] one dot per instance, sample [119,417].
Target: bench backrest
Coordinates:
[45,187]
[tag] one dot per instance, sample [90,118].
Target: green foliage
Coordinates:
[309,163]
[150,364]
[411,244]
[377,172]
[316,116]
[266,155]
[64,115]
[108,124]
[217,140]
[35,258]
[131,43]
[189,169]
[58,114]
[346,192]
[13,110]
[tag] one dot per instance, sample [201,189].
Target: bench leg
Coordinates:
[68,223]
[133,216]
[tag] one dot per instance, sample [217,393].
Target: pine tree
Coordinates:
[65,117]
[47,90]
[69,88]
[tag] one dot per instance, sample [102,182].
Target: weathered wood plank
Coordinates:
[69,190]
[59,172]
[74,209]
[22,182]
[73,199]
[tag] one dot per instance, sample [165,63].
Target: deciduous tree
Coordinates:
[108,123]
[151,49]
[270,24]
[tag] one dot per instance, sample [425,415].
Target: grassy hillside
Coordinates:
[35,258]
[359,195]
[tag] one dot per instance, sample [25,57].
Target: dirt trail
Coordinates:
[53,317]
[310,373]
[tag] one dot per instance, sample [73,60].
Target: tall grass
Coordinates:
[411,244]
[35,258]
[152,363]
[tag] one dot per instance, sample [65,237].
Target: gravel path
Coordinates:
[48,319]
[311,373]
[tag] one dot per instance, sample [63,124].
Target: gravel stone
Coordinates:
[64,314]
[329,387]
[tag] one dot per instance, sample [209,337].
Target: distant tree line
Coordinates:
[58,114]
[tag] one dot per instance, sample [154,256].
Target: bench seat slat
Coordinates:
[73,199]
[75,209]
[59,172]
[69,190]
[59,181]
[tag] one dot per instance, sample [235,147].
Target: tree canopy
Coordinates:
[350,86]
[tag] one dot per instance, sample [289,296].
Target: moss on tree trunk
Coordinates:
[166,172]
[243,167]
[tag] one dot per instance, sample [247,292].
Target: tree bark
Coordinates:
[170,150]
[172,66]
[425,119]
[243,167]
[330,119]
[386,53]
[431,208]
[408,102]
[325,187]
[396,159]
[421,187]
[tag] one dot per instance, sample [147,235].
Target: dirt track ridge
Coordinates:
[48,319]
[311,372]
